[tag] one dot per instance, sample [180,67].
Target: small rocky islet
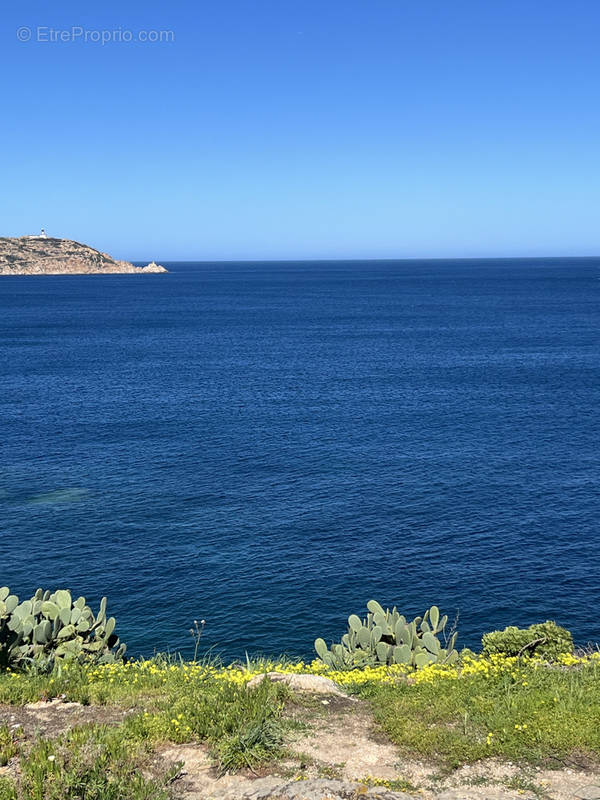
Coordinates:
[43,255]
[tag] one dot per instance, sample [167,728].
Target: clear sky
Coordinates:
[308,129]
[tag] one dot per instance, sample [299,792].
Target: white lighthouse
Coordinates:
[41,235]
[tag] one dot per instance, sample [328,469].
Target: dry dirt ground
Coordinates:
[334,752]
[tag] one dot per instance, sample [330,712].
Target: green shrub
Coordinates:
[386,637]
[52,627]
[544,639]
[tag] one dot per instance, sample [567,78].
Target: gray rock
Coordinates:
[590,792]
[489,793]
[317,684]
[317,789]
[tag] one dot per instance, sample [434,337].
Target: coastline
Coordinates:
[49,256]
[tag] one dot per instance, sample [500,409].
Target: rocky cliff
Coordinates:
[38,256]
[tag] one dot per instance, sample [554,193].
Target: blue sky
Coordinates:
[315,129]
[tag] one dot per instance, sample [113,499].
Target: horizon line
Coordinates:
[357,259]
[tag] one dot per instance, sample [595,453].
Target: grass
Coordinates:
[394,785]
[518,711]
[93,761]
[8,745]
[510,709]
[169,703]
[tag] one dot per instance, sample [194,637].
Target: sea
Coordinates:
[266,446]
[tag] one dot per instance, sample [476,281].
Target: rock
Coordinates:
[317,684]
[48,705]
[45,256]
[153,267]
[472,793]
[316,789]
[251,790]
[590,792]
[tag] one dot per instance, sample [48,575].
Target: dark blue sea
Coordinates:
[267,446]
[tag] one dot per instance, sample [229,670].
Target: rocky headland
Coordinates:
[46,256]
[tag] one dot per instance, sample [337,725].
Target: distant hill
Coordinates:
[45,256]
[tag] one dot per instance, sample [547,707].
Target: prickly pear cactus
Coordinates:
[386,637]
[51,626]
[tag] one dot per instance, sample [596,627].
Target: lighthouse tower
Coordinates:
[41,235]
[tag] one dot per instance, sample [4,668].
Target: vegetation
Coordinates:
[546,640]
[92,761]
[506,707]
[518,709]
[385,637]
[51,627]
[167,702]
[532,707]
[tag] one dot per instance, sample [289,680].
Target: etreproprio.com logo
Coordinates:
[77,33]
